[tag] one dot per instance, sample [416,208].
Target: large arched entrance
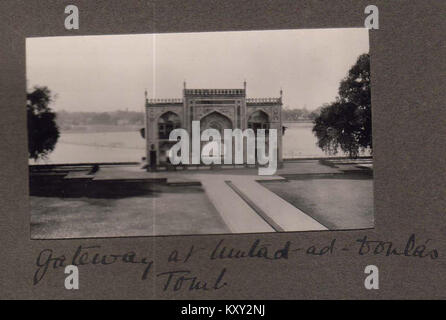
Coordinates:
[215,120]
[219,122]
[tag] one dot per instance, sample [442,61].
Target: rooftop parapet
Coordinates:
[164,101]
[263,100]
[214,92]
[200,93]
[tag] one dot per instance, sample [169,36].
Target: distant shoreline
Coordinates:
[100,128]
[127,128]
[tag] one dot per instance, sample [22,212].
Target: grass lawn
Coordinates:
[170,211]
[338,202]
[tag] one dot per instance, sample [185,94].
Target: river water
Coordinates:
[298,142]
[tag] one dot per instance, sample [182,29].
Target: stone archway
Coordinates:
[215,120]
[167,122]
[258,120]
[219,122]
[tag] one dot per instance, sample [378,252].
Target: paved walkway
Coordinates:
[235,212]
[282,215]
[248,207]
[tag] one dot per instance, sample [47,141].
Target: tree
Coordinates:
[347,122]
[43,132]
[315,113]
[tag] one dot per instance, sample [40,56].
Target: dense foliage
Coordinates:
[43,132]
[346,124]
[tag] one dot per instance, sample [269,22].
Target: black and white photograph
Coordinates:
[221,159]
[199,133]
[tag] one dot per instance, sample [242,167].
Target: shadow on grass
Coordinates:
[353,175]
[57,186]
[46,186]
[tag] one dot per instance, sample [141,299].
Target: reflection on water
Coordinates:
[298,142]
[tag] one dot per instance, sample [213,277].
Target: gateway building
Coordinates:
[214,108]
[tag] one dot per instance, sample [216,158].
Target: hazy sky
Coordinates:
[106,73]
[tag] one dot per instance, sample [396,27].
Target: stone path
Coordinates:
[235,212]
[248,207]
[283,215]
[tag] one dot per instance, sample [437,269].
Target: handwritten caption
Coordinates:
[183,278]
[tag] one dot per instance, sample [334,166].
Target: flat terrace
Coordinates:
[107,200]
